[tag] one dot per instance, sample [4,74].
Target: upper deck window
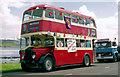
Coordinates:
[58,15]
[81,20]
[87,21]
[27,15]
[66,14]
[92,23]
[74,19]
[49,13]
[37,13]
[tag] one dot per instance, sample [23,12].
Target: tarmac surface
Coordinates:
[96,68]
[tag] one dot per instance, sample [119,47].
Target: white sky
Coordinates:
[104,13]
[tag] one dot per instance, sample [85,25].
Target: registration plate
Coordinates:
[99,55]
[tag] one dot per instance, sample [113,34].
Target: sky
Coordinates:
[104,13]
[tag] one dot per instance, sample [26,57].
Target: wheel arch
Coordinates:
[42,58]
[87,54]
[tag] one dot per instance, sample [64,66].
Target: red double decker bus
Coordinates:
[52,37]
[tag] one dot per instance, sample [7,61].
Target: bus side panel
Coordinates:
[63,57]
[62,28]
[40,52]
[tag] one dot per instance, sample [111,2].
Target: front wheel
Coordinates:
[24,67]
[48,64]
[86,61]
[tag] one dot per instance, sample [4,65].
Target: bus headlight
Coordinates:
[22,56]
[33,56]
[110,54]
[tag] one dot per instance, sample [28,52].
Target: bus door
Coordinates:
[59,52]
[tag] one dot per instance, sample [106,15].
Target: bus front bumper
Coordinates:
[33,64]
[110,57]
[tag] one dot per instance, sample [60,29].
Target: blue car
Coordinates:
[106,50]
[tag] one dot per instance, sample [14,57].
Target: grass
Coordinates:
[9,44]
[11,66]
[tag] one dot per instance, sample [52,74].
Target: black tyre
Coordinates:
[86,61]
[24,68]
[48,64]
[115,59]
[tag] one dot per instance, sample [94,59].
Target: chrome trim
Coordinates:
[111,57]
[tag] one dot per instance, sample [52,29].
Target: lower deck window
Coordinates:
[77,43]
[60,42]
[82,43]
[88,43]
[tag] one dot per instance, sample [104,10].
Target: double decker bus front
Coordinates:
[33,48]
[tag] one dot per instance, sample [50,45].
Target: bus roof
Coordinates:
[59,9]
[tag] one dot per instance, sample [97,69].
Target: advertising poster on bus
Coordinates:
[71,43]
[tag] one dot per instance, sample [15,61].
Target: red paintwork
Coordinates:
[63,57]
[61,28]
[22,53]
[40,52]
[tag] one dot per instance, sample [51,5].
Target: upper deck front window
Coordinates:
[37,13]
[27,15]
[33,14]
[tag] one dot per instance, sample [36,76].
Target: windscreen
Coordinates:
[103,44]
[33,14]
[35,41]
[24,42]
[42,42]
